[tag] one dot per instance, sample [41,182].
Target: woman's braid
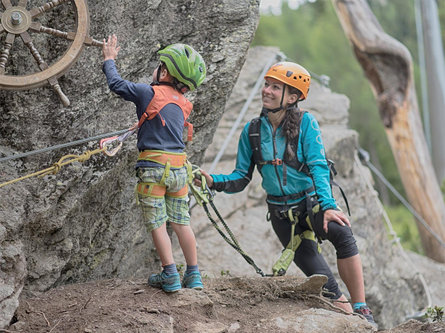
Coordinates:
[291,128]
[290,123]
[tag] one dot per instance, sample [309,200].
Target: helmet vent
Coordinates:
[187,52]
[291,74]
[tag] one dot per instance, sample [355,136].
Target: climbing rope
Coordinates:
[63,145]
[107,146]
[392,232]
[55,168]
[204,195]
[364,156]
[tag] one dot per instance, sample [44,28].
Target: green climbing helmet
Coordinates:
[184,64]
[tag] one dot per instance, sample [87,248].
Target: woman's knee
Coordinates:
[342,239]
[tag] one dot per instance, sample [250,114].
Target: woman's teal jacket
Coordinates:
[310,151]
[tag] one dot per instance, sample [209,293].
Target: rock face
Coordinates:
[82,223]
[393,284]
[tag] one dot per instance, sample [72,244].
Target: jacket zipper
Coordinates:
[274,156]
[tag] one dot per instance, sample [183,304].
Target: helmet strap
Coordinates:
[158,76]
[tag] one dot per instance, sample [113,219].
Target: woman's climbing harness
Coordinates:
[108,146]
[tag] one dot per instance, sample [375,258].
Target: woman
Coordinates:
[289,154]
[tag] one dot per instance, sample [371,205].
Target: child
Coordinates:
[161,168]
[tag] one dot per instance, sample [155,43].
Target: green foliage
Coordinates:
[225,273]
[435,313]
[405,227]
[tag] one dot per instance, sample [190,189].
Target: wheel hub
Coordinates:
[16,20]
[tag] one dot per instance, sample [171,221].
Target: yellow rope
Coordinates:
[55,168]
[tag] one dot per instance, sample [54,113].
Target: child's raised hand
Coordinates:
[110,48]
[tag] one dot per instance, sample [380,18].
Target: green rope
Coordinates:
[232,241]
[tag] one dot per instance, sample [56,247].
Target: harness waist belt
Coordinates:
[297,209]
[290,196]
[175,160]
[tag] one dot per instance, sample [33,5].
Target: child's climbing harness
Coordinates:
[168,160]
[163,95]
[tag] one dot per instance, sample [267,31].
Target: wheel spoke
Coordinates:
[35,53]
[93,42]
[70,35]
[56,86]
[36,26]
[37,11]
[4,55]
[6,3]
[43,65]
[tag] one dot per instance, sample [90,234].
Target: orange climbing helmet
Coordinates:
[291,74]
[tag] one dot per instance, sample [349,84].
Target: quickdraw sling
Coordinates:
[288,254]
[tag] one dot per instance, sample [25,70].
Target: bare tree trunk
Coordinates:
[388,66]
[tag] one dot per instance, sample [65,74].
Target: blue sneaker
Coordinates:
[169,283]
[192,280]
[367,313]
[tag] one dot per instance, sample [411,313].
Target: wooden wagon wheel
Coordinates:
[18,21]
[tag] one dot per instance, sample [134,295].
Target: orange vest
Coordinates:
[163,95]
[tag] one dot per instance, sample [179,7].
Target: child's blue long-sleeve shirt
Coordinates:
[152,135]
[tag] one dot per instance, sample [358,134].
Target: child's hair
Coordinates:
[178,85]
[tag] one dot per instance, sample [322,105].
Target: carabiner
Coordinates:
[111,145]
